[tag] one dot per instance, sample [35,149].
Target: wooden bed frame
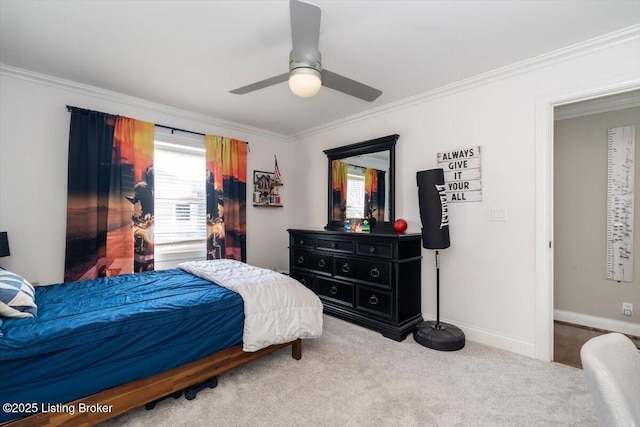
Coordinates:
[120,399]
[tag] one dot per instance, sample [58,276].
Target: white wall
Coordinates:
[34,134]
[488,275]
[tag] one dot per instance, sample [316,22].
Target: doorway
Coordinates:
[544,234]
[585,303]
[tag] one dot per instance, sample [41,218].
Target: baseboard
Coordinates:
[492,339]
[627,328]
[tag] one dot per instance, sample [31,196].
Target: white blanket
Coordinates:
[277,308]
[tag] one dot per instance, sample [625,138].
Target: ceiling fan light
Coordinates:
[304,82]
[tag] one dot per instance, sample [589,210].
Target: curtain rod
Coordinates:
[70,107]
[356,166]
[179,130]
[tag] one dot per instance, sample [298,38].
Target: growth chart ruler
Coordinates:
[621,156]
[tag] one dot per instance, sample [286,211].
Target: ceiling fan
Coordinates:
[306,74]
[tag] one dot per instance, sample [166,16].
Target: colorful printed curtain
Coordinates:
[374,193]
[110,196]
[339,179]
[226,198]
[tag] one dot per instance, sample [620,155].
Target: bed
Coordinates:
[124,341]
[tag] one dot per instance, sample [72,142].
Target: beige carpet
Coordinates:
[352,376]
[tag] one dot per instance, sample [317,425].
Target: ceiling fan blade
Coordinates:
[305,31]
[261,84]
[348,86]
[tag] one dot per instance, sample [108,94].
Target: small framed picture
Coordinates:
[263,180]
[266,189]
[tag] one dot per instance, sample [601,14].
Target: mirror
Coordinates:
[361,184]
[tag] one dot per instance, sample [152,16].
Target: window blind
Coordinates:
[180,199]
[355,196]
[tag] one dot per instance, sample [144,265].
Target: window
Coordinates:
[180,199]
[355,195]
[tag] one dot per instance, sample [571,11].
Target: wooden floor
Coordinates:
[569,338]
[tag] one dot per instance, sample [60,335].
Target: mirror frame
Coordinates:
[371,146]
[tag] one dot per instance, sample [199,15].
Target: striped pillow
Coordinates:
[17,296]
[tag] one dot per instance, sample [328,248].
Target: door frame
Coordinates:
[545,105]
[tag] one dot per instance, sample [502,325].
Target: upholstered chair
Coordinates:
[611,364]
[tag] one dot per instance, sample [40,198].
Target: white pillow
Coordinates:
[17,296]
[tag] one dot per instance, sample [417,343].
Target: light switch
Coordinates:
[498,214]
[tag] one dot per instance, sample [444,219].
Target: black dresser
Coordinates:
[369,279]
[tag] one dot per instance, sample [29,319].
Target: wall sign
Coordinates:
[462,174]
[621,153]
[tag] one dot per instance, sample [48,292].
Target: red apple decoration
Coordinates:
[400,225]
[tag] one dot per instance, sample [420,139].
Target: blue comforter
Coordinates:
[93,335]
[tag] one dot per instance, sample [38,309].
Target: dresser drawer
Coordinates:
[312,261]
[336,291]
[377,273]
[374,301]
[346,267]
[382,250]
[304,278]
[345,246]
[301,240]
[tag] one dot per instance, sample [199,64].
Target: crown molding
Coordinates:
[559,55]
[597,105]
[579,49]
[19,73]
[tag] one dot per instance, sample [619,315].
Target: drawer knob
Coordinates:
[303,281]
[375,273]
[300,259]
[345,267]
[322,263]
[302,241]
[333,290]
[373,300]
[334,245]
[372,249]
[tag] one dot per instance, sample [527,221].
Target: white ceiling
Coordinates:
[189,54]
